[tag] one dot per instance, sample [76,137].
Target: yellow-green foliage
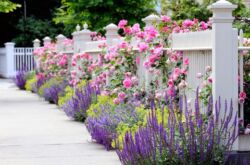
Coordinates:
[69,93]
[30,83]
[94,109]
[81,84]
[161,114]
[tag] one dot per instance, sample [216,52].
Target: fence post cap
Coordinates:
[36,41]
[222,4]
[111,27]
[46,38]
[60,36]
[151,17]
[9,44]
[78,27]
[85,26]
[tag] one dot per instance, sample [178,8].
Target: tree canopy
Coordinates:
[98,13]
[7,6]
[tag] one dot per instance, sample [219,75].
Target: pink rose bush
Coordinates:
[80,68]
[115,70]
[51,63]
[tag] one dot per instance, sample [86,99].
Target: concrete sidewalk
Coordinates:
[34,132]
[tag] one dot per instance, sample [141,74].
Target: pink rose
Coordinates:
[127,30]
[134,80]
[116,101]
[186,61]
[127,83]
[208,68]
[73,63]
[170,83]
[243,95]
[203,25]
[122,23]
[136,28]
[123,45]
[165,18]
[62,62]
[146,64]
[121,95]
[142,47]
[177,71]
[210,80]
[187,23]
[170,92]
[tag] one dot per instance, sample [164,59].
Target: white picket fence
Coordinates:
[218,48]
[15,59]
[23,59]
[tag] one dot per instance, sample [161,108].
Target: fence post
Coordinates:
[111,33]
[36,43]
[75,35]
[59,42]
[225,56]
[10,50]
[149,21]
[46,40]
[84,36]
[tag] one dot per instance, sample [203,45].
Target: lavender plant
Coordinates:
[20,79]
[188,138]
[77,106]
[103,127]
[39,82]
[52,88]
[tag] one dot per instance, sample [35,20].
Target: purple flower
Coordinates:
[20,79]
[103,127]
[77,106]
[199,139]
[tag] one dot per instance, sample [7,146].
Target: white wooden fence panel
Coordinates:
[23,59]
[198,60]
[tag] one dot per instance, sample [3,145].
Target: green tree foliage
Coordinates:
[99,13]
[185,9]
[7,6]
[34,28]
[242,21]
[189,9]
